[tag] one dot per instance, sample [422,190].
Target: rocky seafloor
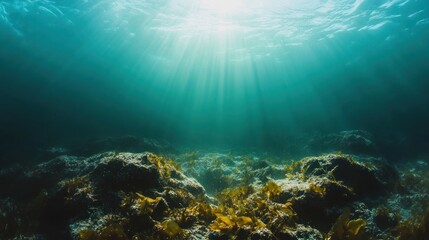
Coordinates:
[97,194]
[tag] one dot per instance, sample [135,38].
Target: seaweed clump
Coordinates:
[271,190]
[170,229]
[346,229]
[145,205]
[234,215]
[197,211]
[111,232]
[231,224]
[244,211]
[164,164]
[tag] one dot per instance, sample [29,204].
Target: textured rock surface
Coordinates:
[363,178]
[353,142]
[68,189]
[119,196]
[120,144]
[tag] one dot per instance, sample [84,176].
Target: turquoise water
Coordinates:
[218,73]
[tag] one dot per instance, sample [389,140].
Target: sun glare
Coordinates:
[224,6]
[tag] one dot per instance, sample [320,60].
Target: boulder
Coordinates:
[363,178]
[126,172]
[352,142]
[120,144]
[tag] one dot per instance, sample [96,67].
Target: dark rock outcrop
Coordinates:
[67,189]
[121,196]
[120,144]
[352,142]
[373,177]
[325,185]
[126,173]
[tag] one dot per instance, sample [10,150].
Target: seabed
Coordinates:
[182,194]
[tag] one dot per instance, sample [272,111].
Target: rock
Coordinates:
[177,198]
[120,144]
[215,180]
[199,232]
[216,171]
[262,234]
[73,186]
[32,237]
[42,176]
[352,142]
[299,232]
[145,196]
[180,181]
[9,219]
[304,232]
[213,170]
[363,179]
[384,218]
[323,185]
[64,167]
[10,180]
[217,236]
[127,172]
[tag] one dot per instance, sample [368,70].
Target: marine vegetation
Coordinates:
[242,210]
[414,229]
[346,229]
[111,232]
[145,205]
[318,190]
[271,190]
[78,187]
[231,196]
[197,211]
[229,224]
[164,164]
[112,201]
[170,229]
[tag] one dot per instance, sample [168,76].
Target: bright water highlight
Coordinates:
[213,72]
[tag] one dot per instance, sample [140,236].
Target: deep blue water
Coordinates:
[216,73]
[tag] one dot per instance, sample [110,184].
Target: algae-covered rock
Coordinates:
[218,171]
[363,179]
[43,176]
[142,196]
[120,144]
[125,172]
[352,142]
[320,187]
[64,167]
[262,234]
[73,187]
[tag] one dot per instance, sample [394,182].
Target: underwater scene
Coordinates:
[214,119]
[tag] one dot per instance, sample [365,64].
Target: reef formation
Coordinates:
[216,196]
